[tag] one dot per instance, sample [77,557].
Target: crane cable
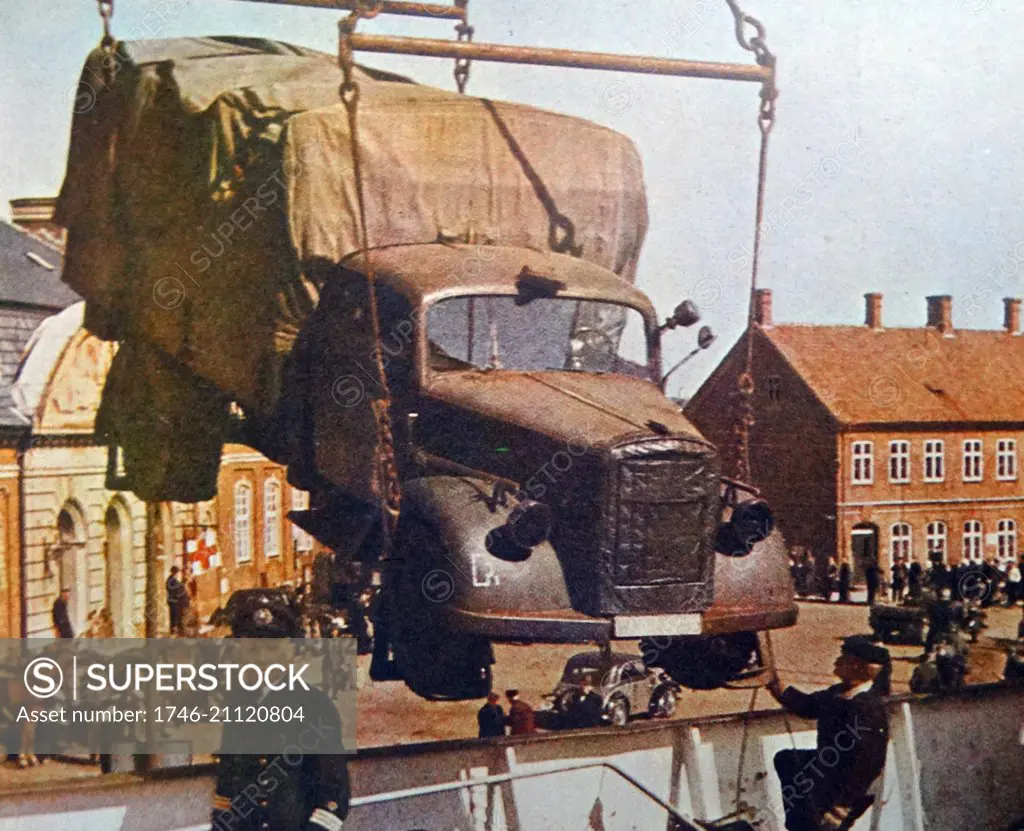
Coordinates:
[745,382]
[386,480]
[765,122]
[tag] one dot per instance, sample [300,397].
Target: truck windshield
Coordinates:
[544,334]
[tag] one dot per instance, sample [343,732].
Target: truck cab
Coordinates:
[550,490]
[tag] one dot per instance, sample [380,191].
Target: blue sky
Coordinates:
[894,165]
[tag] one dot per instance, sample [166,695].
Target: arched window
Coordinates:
[973,540]
[243,521]
[902,541]
[936,538]
[1006,538]
[272,518]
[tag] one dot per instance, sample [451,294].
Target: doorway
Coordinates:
[71,567]
[863,548]
[117,550]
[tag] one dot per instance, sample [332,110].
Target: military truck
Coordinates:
[546,488]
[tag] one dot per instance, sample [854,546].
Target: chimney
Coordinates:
[1011,315]
[763,308]
[35,215]
[873,309]
[940,313]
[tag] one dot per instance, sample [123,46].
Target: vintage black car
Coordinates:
[600,688]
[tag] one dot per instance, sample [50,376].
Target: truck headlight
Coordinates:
[751,523]
[527,526]
[529,523]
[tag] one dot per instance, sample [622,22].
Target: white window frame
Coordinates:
[934,460]
[272,518]
[302,540]
[899,461]
[937,538]
[901,541]
[1006,460]
[242,523]
[974,541]
[862,463]
[973,468]
[1006,538]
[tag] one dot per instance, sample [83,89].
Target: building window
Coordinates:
[902,542]
[243,521]
[973,540]
[863,462]
[936,538]
[1006,459]
[934,460]
[1006,539]
[301,539]
[973,460]
[272,518]
[899,461]
[774,388]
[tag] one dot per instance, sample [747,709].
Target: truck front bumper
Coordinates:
[572,627]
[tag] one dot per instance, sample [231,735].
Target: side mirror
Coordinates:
[685,314]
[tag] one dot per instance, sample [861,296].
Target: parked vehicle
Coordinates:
[609,688]
[898,624]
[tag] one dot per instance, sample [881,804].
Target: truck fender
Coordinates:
[459,513]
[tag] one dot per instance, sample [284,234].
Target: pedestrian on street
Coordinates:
[491,718]
[61,615]
[873,578]
[1013,581]
[520,715]
[177,601]
[845,579]
[294,791]
[899,580]
[851,715]
[827,579]
[915,581]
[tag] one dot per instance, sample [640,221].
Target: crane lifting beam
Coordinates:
[500,53]
[433,48]
[440,11]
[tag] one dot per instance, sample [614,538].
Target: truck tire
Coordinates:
[703,663]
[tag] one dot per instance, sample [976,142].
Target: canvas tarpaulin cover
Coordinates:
[209,181]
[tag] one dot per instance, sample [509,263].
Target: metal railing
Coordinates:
[683,823]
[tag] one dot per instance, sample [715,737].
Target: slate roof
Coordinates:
[30,291]
[25,279]
[889,376]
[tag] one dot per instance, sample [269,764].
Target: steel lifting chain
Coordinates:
[386,472]
[465,34]
[746,384]
[106,9]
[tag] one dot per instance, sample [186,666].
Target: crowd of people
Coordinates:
[992,581]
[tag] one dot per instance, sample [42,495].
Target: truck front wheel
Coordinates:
[704,663]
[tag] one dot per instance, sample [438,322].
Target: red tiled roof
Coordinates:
[865,375]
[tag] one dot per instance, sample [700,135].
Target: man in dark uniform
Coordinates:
[827,789]
[873,578]
[845,580]
[62,616]
[291,790]
[176,599]
[491,718]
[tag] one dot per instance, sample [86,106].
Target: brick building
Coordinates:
[872,442]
